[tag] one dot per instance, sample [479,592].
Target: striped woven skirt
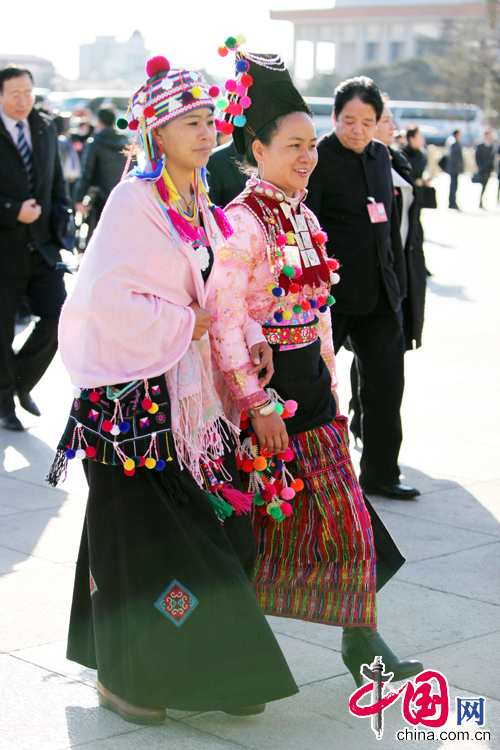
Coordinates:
[319,564]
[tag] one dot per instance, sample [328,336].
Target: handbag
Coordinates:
[63,224]
[428,197]
[477,178]
[389,558]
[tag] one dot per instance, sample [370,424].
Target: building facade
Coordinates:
[107,60]
[356,32]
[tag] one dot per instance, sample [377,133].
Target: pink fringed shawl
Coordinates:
[128,316]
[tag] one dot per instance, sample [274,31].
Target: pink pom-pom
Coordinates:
[218,125]
[287,455]
[213,91]
[241,90]
[231,86]
[227,128]
[321,237]
[333,264]
[281,240]
[287,493]
[291,405]
[133,124]
[245,102]
[157,64]
[286,509]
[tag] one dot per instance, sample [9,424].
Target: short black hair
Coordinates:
[13,71]
[107,116]
[265,135]
[455,132]
[362,88]
[411,131]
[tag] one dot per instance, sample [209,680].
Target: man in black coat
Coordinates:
[484,159]
[352,194]
[103,162]
[31,183]
[455,165]
[225,178]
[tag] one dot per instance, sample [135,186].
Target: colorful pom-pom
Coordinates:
[146,403]
[231,42]
[137,110]
[323,308]
[213,91]
[221,103]
[70,453]
[281,239]
[289,271]
[270,288]
[137,461]
[94,397]
[278,317]
[129,472]
[149,111]
[260,463]
[242,66]
[333,264]
[234,108]
[133,124]
[77,392]
[124,427]
[196,92]
[150,463]
[321,237]
[230,85]
[223,50]
[240,121]
[322,300]
[187,97]
[247,466]
[276,513]
[305,305]
[85,393]
[257,498]
[129,464]
[241,39]
[115,430]
[294,288]
[80,453]
[241,90]
[268,493]
[121,123]
[287,493]
[287,455]
[313,303]
[245,102]
[157,64]
[278,408]
[277,291]
[330,300]
[142,461]
[218,124]
[227,128]
[107,425]
[153,408]
[160,464]
[287,315]
[286,509]
[247,80]
[290,238]
[297,309]
[90,451]
[334,278]
[297,485]
[291,405]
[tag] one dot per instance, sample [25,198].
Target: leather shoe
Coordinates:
[27,403]
[394,491]
[11,422]
[132,712]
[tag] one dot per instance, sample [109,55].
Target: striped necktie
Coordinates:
[25,151]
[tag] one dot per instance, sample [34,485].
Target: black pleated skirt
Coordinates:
[162,604]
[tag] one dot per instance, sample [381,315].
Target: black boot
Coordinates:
[362,645]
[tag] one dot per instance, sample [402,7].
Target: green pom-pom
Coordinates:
[277,513]
[289,271]
[297,309]
[257,498]
[231,42]
[221,103]
[122,123]
[278,409]
[330,300]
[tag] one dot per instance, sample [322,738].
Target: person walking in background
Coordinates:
[70,161]
[484,159]
[352,194]
[103,162]
[455,165]
[31,184]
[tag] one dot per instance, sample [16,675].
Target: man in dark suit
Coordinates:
[455,165]
[352,194]
[225,179]
[485,158]
[31,183]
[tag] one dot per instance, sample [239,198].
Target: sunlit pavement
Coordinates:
[442,607]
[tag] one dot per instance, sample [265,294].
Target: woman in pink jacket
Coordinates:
[162,606]
[315,549]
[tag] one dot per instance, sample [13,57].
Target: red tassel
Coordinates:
[240,502]
[223,223]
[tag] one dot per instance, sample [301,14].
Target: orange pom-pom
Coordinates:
[297,485]
[260,464]
[223,50]
[285,414]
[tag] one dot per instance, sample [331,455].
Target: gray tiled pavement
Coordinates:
[443,606]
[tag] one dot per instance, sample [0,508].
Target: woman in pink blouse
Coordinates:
[316,558]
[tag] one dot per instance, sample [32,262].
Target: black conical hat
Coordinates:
[273,95]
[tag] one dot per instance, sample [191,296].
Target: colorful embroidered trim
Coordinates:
[176,603]
[286,335]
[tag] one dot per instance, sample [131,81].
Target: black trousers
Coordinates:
[377,341]
[45,291]
[453,189]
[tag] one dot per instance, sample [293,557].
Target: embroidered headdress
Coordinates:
[261,91]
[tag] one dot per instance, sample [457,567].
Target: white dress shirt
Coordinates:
[407,195]
[13,130]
